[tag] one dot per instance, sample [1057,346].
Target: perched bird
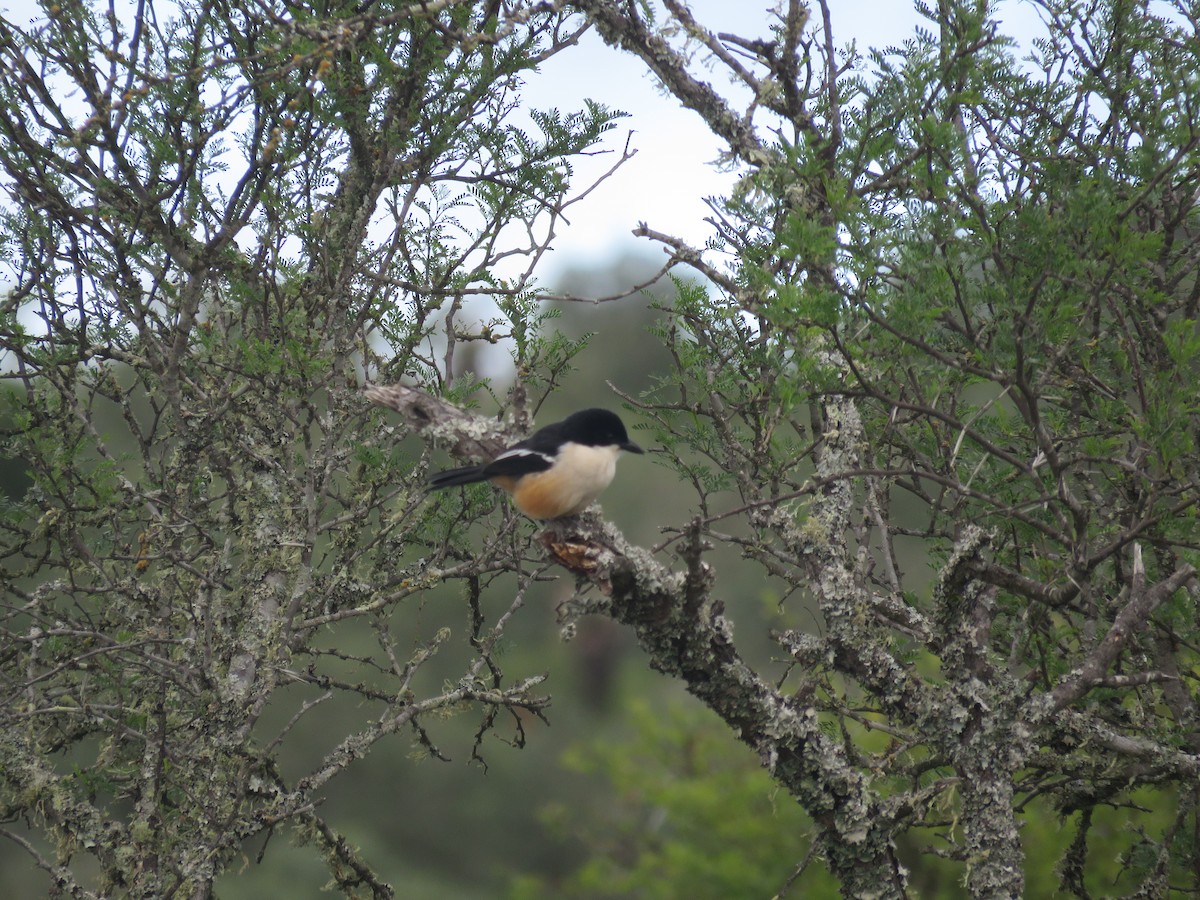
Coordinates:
[556,471]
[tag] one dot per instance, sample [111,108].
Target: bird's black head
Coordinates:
[598,428]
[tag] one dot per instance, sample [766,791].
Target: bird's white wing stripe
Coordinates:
[522,451]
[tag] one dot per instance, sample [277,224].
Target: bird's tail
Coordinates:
[452,477]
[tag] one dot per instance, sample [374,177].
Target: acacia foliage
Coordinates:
[217,216]
[950,315]
[952,318]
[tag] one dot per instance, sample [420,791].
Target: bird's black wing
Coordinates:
[534,454]
[518,461]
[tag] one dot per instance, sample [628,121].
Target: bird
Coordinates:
[558,470]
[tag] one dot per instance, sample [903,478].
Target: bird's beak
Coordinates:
[631,447]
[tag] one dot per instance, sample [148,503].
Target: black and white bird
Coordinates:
[558,470]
